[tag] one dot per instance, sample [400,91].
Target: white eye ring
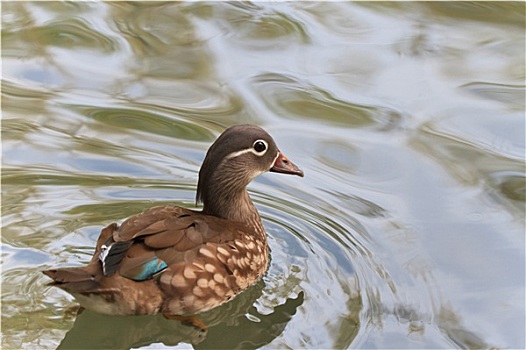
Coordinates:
[260,147]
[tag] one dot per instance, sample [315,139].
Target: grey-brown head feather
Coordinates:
[221,174]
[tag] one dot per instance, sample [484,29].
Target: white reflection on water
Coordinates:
[408,119]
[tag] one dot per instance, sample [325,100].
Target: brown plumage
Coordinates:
[178,261]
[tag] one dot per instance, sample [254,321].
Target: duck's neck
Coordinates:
[233,205]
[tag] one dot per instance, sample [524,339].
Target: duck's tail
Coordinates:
[114,295]
[73,279]
[82,279]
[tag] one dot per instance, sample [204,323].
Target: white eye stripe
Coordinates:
[238,153]
[249,150]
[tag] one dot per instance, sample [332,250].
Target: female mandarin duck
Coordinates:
[178,261]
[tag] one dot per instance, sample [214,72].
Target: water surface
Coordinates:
[407,118]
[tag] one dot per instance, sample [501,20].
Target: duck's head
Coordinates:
[239,154]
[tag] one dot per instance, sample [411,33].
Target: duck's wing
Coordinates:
[149,242]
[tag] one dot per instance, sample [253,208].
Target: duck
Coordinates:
[178,261]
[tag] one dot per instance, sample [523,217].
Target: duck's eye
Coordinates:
[260,146]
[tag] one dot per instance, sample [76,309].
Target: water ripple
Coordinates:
[256,26]
[511,95]
[476,160]
[292,98]
[147,122]
[65,33]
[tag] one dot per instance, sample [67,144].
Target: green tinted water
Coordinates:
[407,118]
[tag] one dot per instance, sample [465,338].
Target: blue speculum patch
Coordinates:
[149,269]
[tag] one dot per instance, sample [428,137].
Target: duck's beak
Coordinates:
[285,166]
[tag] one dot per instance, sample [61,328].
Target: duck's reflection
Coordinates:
[228,327]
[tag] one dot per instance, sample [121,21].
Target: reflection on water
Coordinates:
[92,331]
[407,118]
